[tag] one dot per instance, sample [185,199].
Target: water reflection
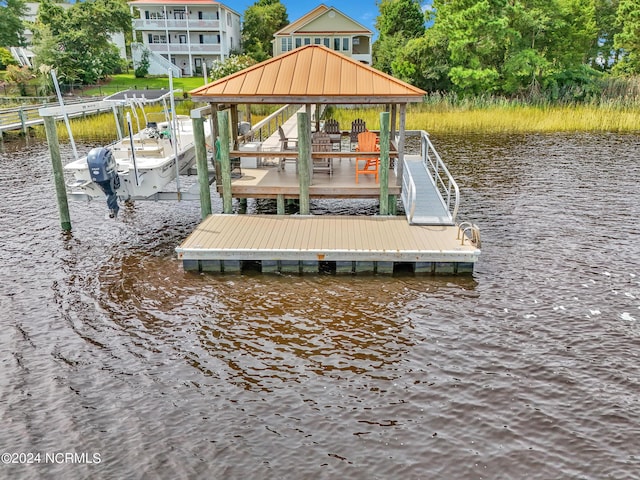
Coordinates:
[528,366]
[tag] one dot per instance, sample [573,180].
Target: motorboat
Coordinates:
[145,162]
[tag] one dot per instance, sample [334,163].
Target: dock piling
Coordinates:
[384,163]
[304,160]
[225,162]
[58,175]
[203,167]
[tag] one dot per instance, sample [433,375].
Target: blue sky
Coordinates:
[362,11]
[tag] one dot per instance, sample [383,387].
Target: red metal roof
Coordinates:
[311,74]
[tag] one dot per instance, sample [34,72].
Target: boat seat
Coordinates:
[150,152]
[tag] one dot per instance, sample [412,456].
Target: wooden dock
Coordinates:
[321,243]
[27,116]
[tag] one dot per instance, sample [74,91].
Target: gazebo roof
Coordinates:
[310,74]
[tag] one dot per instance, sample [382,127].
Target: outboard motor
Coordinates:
[104,172]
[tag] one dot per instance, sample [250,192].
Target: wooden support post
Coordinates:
[304,160]
[214,137]
[58,174]
[393,205]
[394,120]
[384,163]
[225,162]
[23,120]
[120,115]
[318,108]
[248,114]
[280,204]
[401,139]
[203,167]
[234,126]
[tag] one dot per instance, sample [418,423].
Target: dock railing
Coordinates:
[268,125]
[438,172]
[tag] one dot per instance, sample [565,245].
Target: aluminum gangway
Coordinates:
[429,192]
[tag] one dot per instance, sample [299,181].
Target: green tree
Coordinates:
[423,62]
[76,42]
[399,21]
[628,39]
[17,78]
[604,53]
[228,66]
[261,21]
[11,25]
[517,46]
[6,58]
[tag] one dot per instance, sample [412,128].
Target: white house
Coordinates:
[183,34]
[329,27]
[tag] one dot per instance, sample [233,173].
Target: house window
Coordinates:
[179,14]
[326,42]
[154,15]
[336,44]
[228,19]
[157,38]
[317,41]
[298,42]
[285,44]
[345,44]
[307,41]
[209,39]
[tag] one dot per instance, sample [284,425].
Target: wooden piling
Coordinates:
[384,163]
[225,162]
[203,167]
[58,175]
[304,161]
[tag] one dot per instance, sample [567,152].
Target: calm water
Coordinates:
[530,369]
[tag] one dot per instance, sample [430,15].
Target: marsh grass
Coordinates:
[102,127]
[506,118]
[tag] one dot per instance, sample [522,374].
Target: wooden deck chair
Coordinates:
[367,142]
[357,127]
[332,127]
[321,142]
[287,143]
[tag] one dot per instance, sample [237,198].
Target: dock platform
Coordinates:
[323,243]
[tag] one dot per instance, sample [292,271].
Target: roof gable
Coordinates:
[323,19]
[311,74]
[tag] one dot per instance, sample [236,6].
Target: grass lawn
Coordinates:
[126,81]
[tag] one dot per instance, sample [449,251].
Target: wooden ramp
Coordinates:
[316,243]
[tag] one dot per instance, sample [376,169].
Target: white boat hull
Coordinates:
[153,169]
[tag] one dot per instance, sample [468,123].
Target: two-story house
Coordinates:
[183,34]
[329,27]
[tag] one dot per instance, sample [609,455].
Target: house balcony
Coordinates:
[181,25]
[185,48]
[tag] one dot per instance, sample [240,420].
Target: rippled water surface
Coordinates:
[529,369]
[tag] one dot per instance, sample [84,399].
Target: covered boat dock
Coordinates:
[428,240]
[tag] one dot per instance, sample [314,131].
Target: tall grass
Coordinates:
[102,127]
[505,118]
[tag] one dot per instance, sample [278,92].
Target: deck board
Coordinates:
[323,237]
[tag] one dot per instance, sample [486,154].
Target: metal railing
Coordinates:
[439,173]
[409,195]
[20,118]
[268,125]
